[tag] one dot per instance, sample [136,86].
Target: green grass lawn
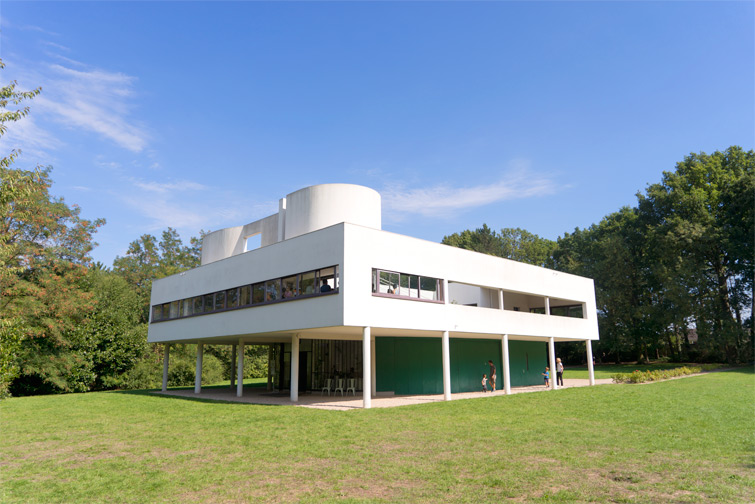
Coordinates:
[686,440]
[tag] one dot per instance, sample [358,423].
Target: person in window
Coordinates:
[393,290]
[326,287]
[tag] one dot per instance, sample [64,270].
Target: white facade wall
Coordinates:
[339,225]
[357,250]
[304,253]
[366,249]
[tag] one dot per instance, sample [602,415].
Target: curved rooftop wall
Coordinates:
[303,211]
[317,207]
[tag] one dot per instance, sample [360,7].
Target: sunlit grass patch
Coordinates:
[687,440]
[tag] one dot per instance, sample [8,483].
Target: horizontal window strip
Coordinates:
[304,285]
[406,286]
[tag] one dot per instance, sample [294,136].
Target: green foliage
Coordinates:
[255,360]
[44,250]
[516,244]
[147,259]
[147,373]
[681,260]
[11,335]
[111,337]
[639,376]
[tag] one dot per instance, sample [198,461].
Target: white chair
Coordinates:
[339,386]
[352,386]
[328,386]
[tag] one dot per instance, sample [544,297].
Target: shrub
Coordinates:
[638,376]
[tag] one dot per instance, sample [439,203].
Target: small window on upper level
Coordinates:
[405,285]
[253,242]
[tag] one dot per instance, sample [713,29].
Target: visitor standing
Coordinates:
[559,373]
[546,375]
[492,375]
[484,383]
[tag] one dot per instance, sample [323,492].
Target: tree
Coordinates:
[516,244]
[44,248]
[15,186]
[702,213]
[111,338]
[147,259]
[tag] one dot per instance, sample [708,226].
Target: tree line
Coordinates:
[678,262]
[68,324]
[673,274]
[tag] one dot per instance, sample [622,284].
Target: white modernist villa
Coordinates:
[343,304]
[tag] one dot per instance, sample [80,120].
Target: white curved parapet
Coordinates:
[317,207]
[303,211]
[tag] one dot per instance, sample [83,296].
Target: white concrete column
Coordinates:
[552,362]
[233,366]
[500,299]
[445,291]
[446,367]
[547,305]
[166,358]
[373,367]
[295,368]
[590,367]
[240,370]
[367,367]
[506,366]
[198,375]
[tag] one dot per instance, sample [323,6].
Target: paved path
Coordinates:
[258,395]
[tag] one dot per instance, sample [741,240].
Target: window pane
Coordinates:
[246,295]
[157,313]
[393,287]
[187,307]
[231,298]
[414,286]
[327,279]
[403,289]
[307,283]
[428,288]
[385,283]
[272,290]
[197,301]
[173,310]
[258,293]
[166,311]
[289,287]
[561,311]
[208,302]
[536,310]
[576,311]
[220,300]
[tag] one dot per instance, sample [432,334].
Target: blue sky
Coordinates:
[540,115]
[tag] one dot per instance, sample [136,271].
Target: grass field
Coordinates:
[608,370]
[685,440]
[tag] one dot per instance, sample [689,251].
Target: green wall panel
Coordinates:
[409,365]
[527,360]
[414,365]
[469,360]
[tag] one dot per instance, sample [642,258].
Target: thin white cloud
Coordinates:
[162,188]
[33,140]
[443,200]
[38,29]
[91,100]
[56,46]
[164,205]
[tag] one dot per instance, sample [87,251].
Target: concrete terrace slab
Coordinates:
[258,395]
